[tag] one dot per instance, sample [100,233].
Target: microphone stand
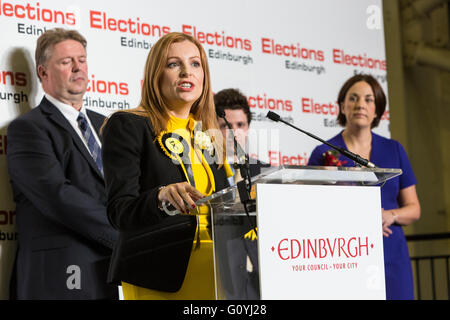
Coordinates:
[355,157]
[242,164]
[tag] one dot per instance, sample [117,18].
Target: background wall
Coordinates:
[419,94]
[418,59]
[287,56]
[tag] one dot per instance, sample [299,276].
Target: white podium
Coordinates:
[319,235]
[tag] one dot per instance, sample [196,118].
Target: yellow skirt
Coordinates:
[199,280]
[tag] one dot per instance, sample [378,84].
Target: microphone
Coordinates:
[220,112]
[241,156]
[358,159]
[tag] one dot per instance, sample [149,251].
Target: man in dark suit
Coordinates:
[54,161]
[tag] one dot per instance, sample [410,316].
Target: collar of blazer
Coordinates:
[55,116]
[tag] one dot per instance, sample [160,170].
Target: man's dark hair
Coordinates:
[233,99]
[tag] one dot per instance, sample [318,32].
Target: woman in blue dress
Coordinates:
[362,103]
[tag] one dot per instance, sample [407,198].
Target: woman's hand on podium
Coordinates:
[181,196]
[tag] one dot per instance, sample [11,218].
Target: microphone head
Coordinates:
[220,112]
[273,116]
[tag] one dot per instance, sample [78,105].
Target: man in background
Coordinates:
[239,264]
[238,115]
[54,162]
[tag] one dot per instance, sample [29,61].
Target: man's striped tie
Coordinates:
[93,146]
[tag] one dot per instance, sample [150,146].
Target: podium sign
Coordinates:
[320,242]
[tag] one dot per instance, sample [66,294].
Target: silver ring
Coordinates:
[170,213]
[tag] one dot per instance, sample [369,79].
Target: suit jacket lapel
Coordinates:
[57,117]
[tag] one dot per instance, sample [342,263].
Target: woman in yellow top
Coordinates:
[168,151]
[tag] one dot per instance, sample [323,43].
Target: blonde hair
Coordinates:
[49,39]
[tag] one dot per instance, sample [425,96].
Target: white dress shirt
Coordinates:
[71,114]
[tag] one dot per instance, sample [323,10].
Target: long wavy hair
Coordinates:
[154,106]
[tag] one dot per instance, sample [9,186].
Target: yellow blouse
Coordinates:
[199,281]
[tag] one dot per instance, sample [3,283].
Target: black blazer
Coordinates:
[65,240]
[153,249]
